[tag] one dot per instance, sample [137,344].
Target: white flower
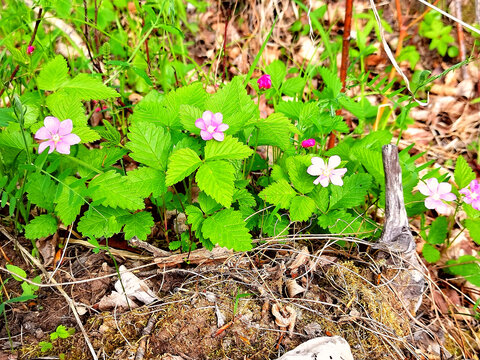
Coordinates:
[327,173]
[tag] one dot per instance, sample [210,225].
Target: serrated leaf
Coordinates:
[145,181]
[320,196]
[473,227]
[244,198]
[309,114]
[217,178]
[331,80]
[53,75]
[293,86]
[150,144]
[41,226]
[297,171]
[188,115]
[70,200]
[227,228]
[430,253]
[301,208]
[352,193]
[101,221]
[86,87]
[86,134]
[463,173]
[278,173]
[467,266]
[194,217]
[291,109]
[41,190]
[438,231]
[229,148]
[110,133]
[277,71]
[208,204]
[139,224]
[372,162]
[181,164]
[112,189]
[275,130]
[278,194]
[63,107]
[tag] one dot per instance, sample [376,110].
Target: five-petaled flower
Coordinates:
[472,195]
[308,143]
[436,194]
[58,135]
[211,126]
[264,82]
[326,172]
[30,49]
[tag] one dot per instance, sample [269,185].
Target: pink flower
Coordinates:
[264,82]
[308,143]
[58,135]
[211,126]
[30,49]
[472,195]
[327,173]
[436,194]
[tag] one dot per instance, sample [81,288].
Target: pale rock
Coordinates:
[321,348]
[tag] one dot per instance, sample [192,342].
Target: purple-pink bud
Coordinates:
[30,49]
[308,143]
[264,82]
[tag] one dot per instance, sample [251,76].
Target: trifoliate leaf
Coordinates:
[229,148]
[181,164]
[86,87]
[278,194]
[217,178]
[41,190]
[352,193]
[53,75]
[297,171]
[275,130]
[146,181]
[430,253]
[101,221]
[70,199]
[301,208]
[463,173]
[112,189]
[139,224]
[227,228]
[473,227]
[41,226]
[438,230]
[150,144]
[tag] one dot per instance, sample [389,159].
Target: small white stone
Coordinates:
[321,348]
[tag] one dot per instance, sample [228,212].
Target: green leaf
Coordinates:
[194,217]
[86,134]
[217,178]
[320,196]
[139,224]
[278,194]
[41,226]
[438,231]
[70,199]
[145,181]
[293,86]
[17,270]
[473,227]
[244,198]
[227,228]
[181,164]
[207,204]
[309,114]
[297,171]
[463,173]
[275,131]
[41,190]
[101,221]
[53,75]
[430,253]
[352,193]
[150,144]
[291,109]
[188,115]
[112,190]
[331,80]
[467,266]
[63,107]
[277,71]
[301,208]
[372,162]
[86,87]
[229,148]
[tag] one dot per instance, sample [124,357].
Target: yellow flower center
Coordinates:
[211,129]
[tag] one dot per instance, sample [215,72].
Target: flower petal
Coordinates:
[476,204]
[465,191]
[63,147]
[200,123]
[314,170]
[324,180]
[431,203]
[52,124]
[65,127]
[318,161]
[424,189]
[336,180]
[222,127]
[70,139]
[334,161]
[432,185]
[43,134]
[448,197]
[44,145]
[317,181]
[219,136]
[207,118]
[206,135]
[444,188]
[217,119]
[339,172]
